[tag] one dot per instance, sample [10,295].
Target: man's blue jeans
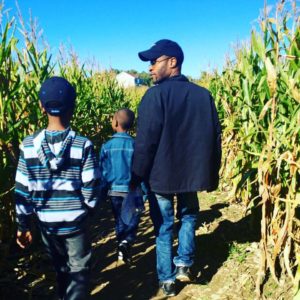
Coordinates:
[162,215]
[71,258]
[123,231]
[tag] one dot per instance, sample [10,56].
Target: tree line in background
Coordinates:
[258,99]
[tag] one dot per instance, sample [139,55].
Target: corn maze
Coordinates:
[258,100]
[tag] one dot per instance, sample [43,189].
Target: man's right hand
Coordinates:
[24,239]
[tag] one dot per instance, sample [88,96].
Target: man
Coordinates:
[178,151]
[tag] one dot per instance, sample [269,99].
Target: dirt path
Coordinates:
[226,262]
[227,258]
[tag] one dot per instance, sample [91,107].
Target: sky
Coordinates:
[113,32]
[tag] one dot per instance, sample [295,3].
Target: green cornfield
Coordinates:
[258,99]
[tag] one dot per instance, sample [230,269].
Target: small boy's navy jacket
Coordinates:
[115,162]
[178,143]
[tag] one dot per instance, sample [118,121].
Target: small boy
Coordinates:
[115,165]
[58,179]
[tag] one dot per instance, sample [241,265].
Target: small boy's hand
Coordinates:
[24,239]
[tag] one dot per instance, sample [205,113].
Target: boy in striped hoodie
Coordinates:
[58,179]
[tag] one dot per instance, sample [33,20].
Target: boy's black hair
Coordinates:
[125,118]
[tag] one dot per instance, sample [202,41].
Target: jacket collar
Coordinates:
[175,78]
[121,135]
[178,78]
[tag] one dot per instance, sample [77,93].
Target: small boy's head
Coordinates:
[123,119]
[57,96]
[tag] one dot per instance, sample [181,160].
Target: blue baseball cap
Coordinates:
[163,47]
[57,95]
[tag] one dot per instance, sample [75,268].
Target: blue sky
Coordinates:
[113,32]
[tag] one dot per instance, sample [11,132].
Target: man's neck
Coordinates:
[175,72]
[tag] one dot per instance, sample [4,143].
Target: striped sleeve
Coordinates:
[24,206]
[90,176]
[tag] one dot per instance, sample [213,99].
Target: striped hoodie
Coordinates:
[58,179]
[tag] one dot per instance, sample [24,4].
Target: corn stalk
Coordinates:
[258,97]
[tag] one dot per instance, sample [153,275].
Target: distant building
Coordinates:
[125,80]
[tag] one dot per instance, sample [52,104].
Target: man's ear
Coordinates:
[173,62]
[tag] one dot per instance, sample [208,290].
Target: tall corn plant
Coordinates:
[279,163]
[9,82]
[21,73]
[259,102]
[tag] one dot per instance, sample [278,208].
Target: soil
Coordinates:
[226,263]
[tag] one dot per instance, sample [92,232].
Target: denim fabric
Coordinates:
[115,162]
[123,231]
[71,258]
[162,215]
[132,206]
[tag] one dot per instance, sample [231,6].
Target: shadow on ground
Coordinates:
[139,281]
[213,248]
[112,281]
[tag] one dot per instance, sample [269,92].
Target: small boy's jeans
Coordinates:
[71,258]
[162,215]
[123,231]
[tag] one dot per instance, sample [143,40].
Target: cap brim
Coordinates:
[149,55]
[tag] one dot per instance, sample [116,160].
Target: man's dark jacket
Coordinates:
[178,143]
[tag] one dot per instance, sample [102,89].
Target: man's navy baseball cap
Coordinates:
[57,95]
[163,47]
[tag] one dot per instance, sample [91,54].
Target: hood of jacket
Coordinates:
[53,147]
